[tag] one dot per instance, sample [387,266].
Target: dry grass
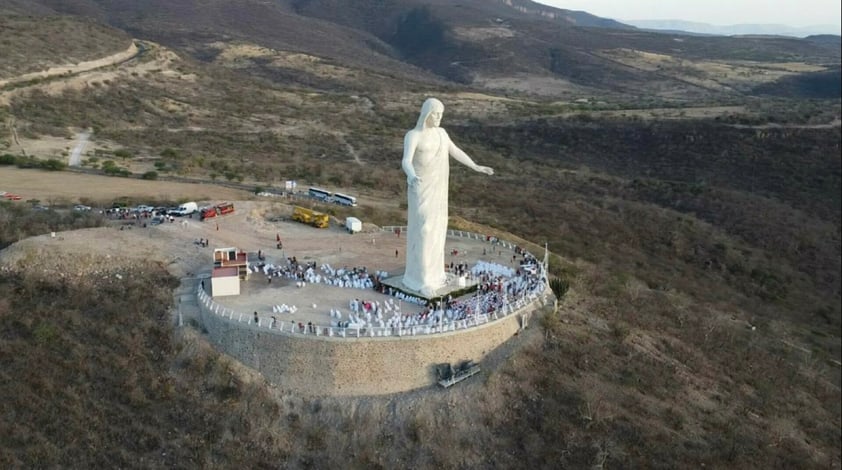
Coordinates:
[575,392]
[631,372]
[71,187]
[715,75]
[28,44]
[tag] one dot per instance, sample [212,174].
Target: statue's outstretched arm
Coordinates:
[460,156]
[410,143]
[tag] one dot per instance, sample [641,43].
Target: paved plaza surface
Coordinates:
[374,251]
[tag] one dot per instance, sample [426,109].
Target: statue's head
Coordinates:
[431,112]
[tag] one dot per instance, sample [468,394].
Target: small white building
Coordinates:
[232,257]
[230,266]
[225,281]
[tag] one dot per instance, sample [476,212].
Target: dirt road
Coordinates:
[76,155]
[72,69]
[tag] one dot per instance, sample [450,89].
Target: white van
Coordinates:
[187,208]
[353,224]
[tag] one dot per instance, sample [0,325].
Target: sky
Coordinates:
[716,12]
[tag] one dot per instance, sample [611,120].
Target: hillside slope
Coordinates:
[482,43]
[31,44]
[701,243]
[96,374]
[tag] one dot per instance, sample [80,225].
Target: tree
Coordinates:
[559,287]
[122,153]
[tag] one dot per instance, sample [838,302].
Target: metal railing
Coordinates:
[298,328]
[293,327]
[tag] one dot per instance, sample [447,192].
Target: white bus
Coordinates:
[320,194]
[344,199]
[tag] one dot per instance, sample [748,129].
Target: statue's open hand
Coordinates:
[485,169]
[413,180]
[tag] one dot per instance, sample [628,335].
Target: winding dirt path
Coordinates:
[75,158]
[10,86]
[71,69]
[351,150]
[835,123]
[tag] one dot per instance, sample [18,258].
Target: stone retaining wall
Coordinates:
[332,365]
[345,366]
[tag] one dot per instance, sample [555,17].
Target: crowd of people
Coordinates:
[499,287]
[302,273]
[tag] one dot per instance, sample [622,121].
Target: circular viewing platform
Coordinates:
[308,321]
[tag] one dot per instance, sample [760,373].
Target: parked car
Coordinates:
[186,209]
[81,208]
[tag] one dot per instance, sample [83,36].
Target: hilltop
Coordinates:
[689,189]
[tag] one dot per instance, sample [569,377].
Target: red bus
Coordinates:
[219,209]
[224,208]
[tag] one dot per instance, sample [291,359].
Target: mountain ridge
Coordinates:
[770,29]
[468,42]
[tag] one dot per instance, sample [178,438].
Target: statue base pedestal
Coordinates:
[453,283]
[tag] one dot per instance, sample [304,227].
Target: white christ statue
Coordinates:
[426,152]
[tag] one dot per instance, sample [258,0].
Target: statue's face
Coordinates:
[434,119]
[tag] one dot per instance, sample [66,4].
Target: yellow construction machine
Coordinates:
[310,217]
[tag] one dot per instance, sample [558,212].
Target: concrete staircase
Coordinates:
[186,310]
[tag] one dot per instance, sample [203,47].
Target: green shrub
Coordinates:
[53,165]
[26,162]
[45,333]
[116,171]
[122,153]
[150,175]
[169,153]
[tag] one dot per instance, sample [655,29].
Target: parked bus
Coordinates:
[217,210]
[225,208]
[320,194]
[344,199]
